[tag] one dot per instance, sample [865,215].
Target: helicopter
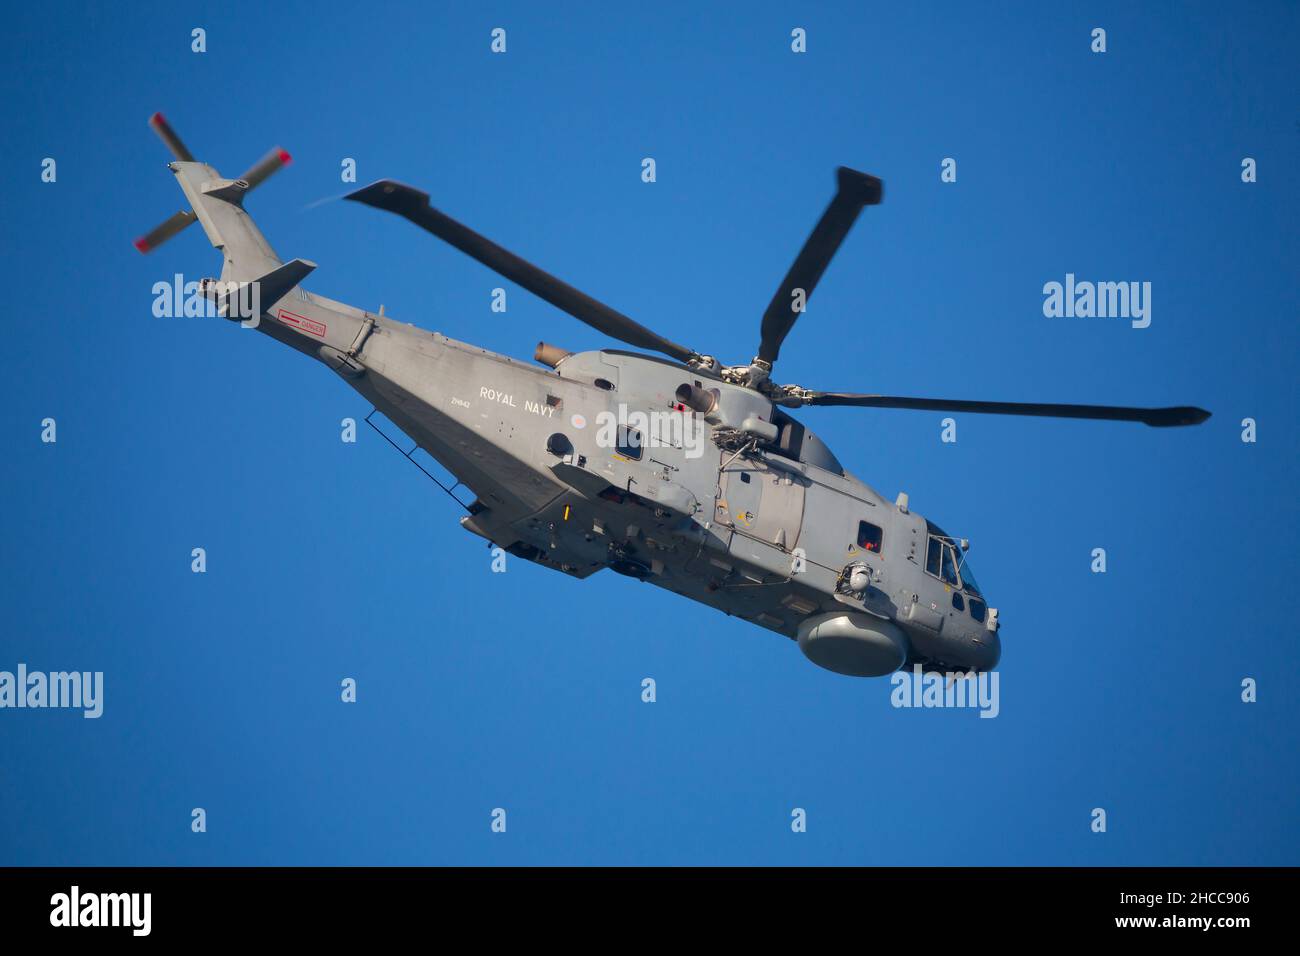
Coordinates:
[673,468]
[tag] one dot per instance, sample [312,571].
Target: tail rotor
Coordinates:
[262,170]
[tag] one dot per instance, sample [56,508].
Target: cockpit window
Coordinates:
[941,560]
[948,573]
[869,537]
[946,561]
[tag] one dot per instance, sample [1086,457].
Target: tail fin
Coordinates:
[218,204]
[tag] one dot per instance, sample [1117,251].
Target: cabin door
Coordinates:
[762,502]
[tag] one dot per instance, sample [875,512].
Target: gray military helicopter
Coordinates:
[680,471]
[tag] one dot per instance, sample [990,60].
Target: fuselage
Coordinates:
[596,463]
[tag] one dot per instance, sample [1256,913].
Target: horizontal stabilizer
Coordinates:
[271,288]
[277,284]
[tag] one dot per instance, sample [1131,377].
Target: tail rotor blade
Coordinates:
[264,168]
[168,135]
[165,230]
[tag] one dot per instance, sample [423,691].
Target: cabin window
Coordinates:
[977,609]
[869,537]
[958,601]
[932,557]
[629,443]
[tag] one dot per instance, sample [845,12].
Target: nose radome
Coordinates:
[988,651]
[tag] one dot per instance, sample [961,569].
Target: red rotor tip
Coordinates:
[156,119]
[284,157]
[142,244]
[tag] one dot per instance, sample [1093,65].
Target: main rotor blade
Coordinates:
[414,205]
[169,137]
[855,191]
[1156,417]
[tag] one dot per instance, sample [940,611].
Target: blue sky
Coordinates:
[522,690]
